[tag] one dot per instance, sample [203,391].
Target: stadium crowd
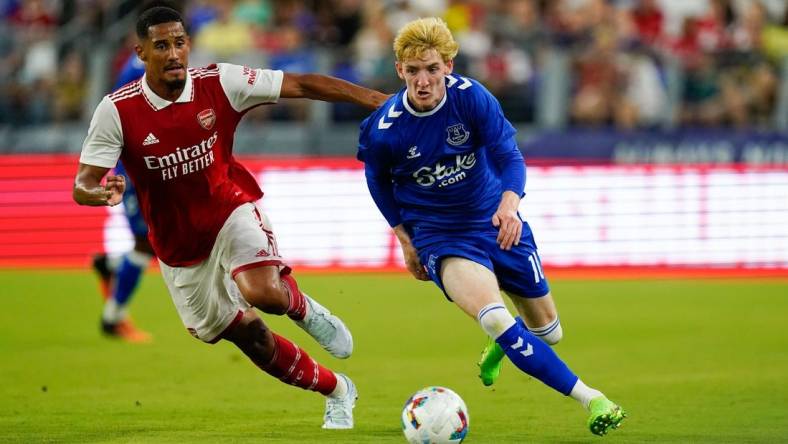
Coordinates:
[618,55]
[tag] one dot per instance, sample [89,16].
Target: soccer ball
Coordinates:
[435,415]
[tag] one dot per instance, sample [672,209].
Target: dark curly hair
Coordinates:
[156,16]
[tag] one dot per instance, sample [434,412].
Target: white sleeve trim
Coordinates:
[247,87]
[104,142]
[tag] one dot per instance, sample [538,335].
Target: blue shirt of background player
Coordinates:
[445,169]
[132,70]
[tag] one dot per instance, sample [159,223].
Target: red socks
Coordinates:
[294,366]
[291,363]
[297,308]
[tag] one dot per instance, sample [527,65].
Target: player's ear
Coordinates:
[399,68]
[449,66]
[140,52]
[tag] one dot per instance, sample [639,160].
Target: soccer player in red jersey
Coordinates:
[173,130]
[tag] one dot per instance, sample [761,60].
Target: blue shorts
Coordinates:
[131,206]
[519,270]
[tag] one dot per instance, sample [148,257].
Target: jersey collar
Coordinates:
[425,113]
[157,103]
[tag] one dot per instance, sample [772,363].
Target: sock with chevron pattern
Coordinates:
[525,350]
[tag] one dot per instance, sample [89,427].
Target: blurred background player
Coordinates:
[174,131]
[120,277]
[443,166]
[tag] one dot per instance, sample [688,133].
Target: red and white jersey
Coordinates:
[179,154]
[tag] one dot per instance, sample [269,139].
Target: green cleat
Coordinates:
[491,362]
[605,415]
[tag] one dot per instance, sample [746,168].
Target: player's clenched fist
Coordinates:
[114,187]
[413,263]
[510,227]
[88,188]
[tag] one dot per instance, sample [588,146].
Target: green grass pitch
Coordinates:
[691,361]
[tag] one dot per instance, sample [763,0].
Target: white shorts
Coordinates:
[205,295]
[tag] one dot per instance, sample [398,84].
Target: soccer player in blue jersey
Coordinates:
[120,280]
[443,167]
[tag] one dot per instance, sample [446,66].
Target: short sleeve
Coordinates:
[104,142]
[247,87]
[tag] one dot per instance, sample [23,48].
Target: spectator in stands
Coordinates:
[642,100]
[746,32]
[597,77]
[471,32]
[70,88]
[593,14]
[459,15]
[502,44]
[295,13]
[519,22]
[509,75]
[254,12]
[371,49]
[226,38]
[367,59]
[749,81]
[199,14]
[712,27]
[36,82]
[648,20]
[341,22]
[702,99]
[288,14]
[398,13]
[775,40]
[11,56]
[686,46]
[33,14]
[293,56]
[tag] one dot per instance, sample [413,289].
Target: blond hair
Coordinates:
[422,35]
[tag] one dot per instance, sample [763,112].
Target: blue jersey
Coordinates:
[443,169]
[132,70]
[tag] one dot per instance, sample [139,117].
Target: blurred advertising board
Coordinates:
[714,217]
[696,146]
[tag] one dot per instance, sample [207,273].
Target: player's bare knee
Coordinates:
[254,339]
[269,296]
[261,340]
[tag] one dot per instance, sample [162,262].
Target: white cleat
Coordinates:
[339,411]
[328,330]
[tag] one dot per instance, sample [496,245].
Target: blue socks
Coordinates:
[536,358]
[127,276]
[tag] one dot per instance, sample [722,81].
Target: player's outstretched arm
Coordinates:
[329,89]
[89,191]
[410,254]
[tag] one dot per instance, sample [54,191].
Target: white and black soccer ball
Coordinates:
[435,415]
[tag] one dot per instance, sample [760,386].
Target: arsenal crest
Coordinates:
[457,134]
[206,118]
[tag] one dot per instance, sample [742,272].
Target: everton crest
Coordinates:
[206,118]
[457,134]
